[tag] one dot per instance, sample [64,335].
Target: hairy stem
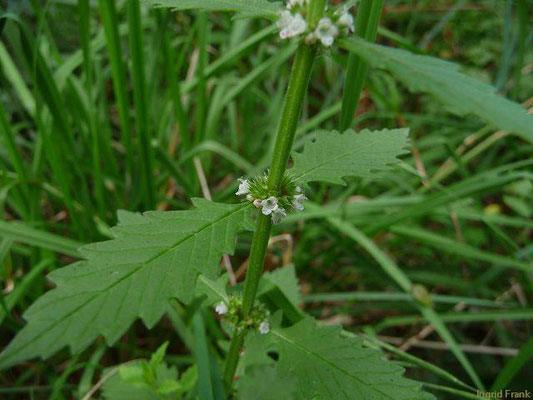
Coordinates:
[292,108]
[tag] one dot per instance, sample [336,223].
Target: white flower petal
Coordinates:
[221,308]
[297,201]
[290,25]
[346,19]
[269,205]
[297,25]
[244,187]
[264,327]
[326,31]
[327,40]
[285,17]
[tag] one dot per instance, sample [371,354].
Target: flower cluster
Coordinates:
[274,204]
[257,319]
[292,22]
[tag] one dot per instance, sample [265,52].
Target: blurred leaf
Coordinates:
[19,232]
[442,79]
[245,8]
[513,366]
[518,205]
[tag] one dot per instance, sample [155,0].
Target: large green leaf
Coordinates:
[333,156]
[245,8]
[328,366]
[155,256]
[442,79]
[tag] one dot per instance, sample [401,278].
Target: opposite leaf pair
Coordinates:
[159,255]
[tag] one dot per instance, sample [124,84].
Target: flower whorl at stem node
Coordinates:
[273,203]
[292,22]
[231,312]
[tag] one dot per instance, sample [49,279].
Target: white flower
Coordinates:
[346,20]
[298,189]
[258,203]
[264,327]
[221,308]
[290,25]
[297,202]
[244,187]
[249,197]
[326,31]
[269,205]
[278,214]
[285,18]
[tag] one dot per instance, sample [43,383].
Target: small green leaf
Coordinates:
[189,378]
[151,260]
[157,357]
[442,79]
[245,8]
[333,156]
[328,366]
[128,383]
[286,280]
[134,374]
[169,386]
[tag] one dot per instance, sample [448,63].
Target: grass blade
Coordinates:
[141,105]
[403,281]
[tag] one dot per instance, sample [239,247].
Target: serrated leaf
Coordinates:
[328,366]
[442,79]
[333,155]
[128,277]
[245,8]
[254,353]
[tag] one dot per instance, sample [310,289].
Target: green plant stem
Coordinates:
[292,108]
[233,357]
[366,27]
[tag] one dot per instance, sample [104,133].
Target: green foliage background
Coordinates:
[101,111]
